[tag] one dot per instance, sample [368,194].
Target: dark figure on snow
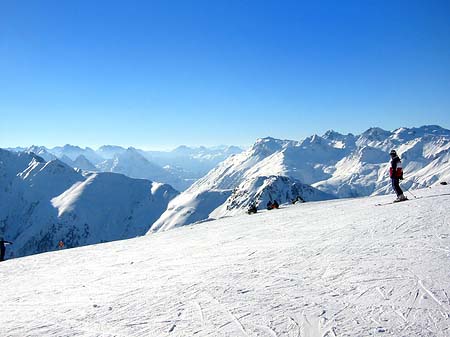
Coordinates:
[275,205]
[269,205]
[3,248]
[252,208]
[297,200]
[396,174]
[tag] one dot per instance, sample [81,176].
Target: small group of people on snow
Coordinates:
[395,173]
[252,208]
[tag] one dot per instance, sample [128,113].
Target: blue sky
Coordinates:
[157,74]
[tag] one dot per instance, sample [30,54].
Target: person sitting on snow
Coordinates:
[252,208]
[275,205]
[3,248]
[269,205]
[297,200]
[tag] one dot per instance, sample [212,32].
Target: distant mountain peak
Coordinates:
[375,131]
[71,147]
[331,134]
[267,145]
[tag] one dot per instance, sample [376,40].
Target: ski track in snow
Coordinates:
[324,269]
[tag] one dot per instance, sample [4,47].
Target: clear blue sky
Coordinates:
[156,74]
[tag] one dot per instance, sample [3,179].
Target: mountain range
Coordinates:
[317,168]
[47,202]
[179,168]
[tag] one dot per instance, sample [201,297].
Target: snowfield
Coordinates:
[329,268]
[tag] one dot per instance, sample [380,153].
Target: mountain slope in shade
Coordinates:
[83,163]
[50,201]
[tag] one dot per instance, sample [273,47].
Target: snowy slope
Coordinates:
[334,268]
[44,202]
[257,175]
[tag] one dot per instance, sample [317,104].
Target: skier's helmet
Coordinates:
[393,153]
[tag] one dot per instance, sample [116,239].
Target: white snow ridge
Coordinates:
[331,268]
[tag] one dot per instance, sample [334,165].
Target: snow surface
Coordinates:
[332,268]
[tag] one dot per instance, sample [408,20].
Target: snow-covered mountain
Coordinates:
[333,268]
[45,202]
[83,163]
[192,162]
[333,164]
[364,171]
[41,151]
[256,175]
[133,164]
[109,151]
[73,152]
[179,168]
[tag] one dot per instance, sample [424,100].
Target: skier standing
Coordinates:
[3,248]
[396,174]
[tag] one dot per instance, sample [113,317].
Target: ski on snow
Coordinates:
[390,203]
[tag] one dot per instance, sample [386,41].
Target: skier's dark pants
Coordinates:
[396,186]
[2,253]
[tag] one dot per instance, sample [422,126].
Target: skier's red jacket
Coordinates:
[396,170]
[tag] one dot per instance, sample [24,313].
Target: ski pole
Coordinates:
[411,194]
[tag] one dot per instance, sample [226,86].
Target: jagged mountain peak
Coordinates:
[71,147]
[376,133]
[332,135]
[314,139]
[267,145]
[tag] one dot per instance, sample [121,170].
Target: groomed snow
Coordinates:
[332,268]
